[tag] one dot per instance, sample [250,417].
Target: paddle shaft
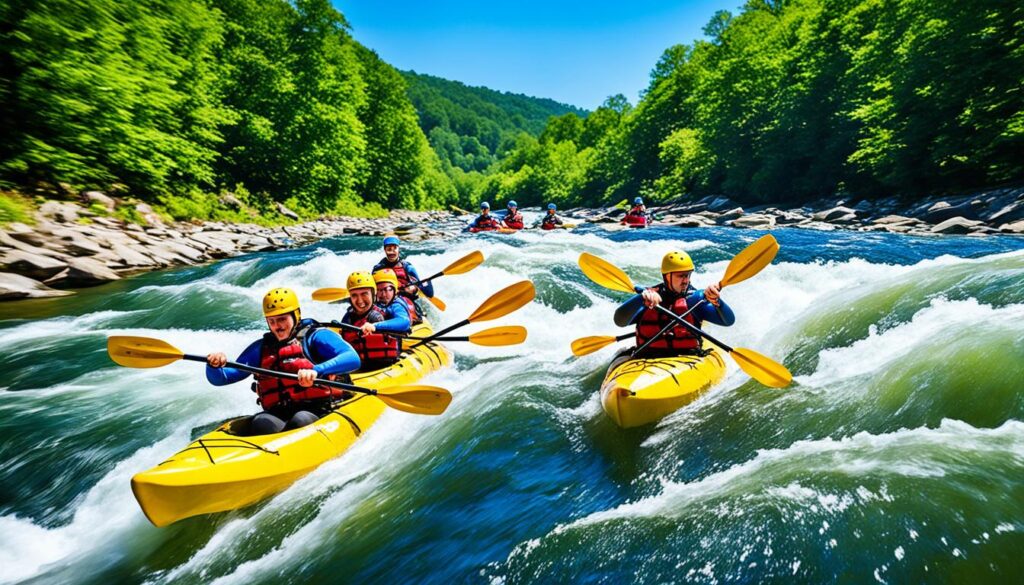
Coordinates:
[462,323]
[341,325]
[693,328]
[255,370]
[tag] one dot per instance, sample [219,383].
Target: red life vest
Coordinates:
[375,346]
[549,221]
[401,271]
[288,356]
[486,223]
[514,221]
[638,211]
[411,306]
[677,338]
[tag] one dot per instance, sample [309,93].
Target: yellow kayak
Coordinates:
[636,392]
[223,471]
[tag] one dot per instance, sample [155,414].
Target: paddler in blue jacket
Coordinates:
[294,345]
[394,306]
[676,294]
[407,276]
[375,347]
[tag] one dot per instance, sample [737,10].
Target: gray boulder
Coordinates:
[83,272]
[15,286]
[836,214]
[31,265]
[99,197]
[955,225]
[287,212]
[754,221]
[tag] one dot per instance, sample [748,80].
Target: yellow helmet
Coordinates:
[360,280]
[676,261]
[386,275]
[280,301]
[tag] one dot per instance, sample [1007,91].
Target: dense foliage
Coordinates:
[175,101]
[471,127]
[794,100]
[172,99]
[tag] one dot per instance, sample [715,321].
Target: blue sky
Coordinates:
[574,52]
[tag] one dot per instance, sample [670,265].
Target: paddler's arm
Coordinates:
[628,311]
[327,342]
[227,375]
[719,315]
[398,323]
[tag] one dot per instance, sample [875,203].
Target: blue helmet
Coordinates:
[513,203]
[391,240]
[638,201]
[485,205]
[551,206]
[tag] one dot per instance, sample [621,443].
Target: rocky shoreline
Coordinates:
[71,246]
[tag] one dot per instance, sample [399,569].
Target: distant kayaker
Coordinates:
[392,304]
[375,347]
[485,221]
[639,209]
[550,218]
[513,219]
[293,345]
[407,276]
[677,294]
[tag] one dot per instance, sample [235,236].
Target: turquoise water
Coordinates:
[897,455]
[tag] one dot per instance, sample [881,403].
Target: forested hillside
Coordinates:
[173,101]
[789,101]
[470,127]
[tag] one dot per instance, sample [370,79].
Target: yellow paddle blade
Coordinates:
[498,336]
[416,399]
[328,295]
[437,303]
[141,352]
[751,260]
[504,302]
[762,368]
[588,345]
[465,264]
[604,273]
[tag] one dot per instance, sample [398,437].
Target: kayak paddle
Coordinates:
[588,345]
[746,264]
[498,305]
[146,352]
[493,337]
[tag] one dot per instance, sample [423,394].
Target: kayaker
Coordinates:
[513,219]
[406,273]
[639,209]
[485,221]
[294,345]
[550,218]
[392,304]
[376,349]
[677,294]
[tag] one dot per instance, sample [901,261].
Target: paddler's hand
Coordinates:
[651,298]
[306,377]
[368,328]
[711,293]
[216,360]
[411,290]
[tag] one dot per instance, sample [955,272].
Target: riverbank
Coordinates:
[72,246]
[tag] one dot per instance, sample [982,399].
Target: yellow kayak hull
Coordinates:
[223,471]
[637,392]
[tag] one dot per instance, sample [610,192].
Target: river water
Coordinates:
[896,456]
